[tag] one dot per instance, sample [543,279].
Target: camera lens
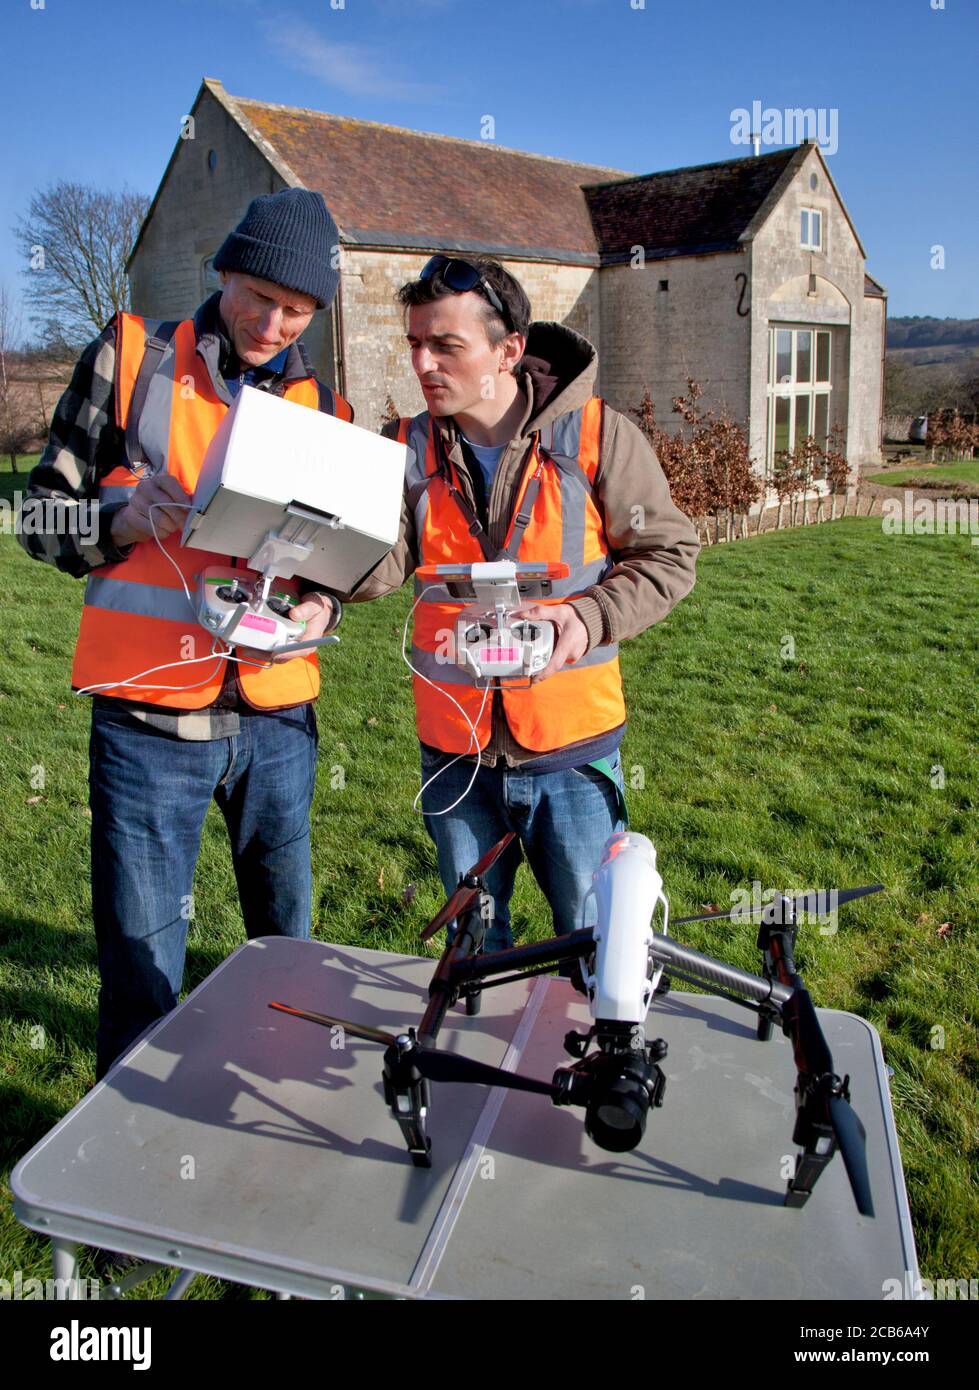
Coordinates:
[618,1125]
[615,1117]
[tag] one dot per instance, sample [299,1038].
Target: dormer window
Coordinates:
[812,230]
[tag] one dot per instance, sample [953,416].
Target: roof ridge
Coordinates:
[431,135]
[745,160]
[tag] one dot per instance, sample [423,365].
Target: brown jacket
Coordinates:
[653,544]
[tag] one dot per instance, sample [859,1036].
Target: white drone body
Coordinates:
[621,975]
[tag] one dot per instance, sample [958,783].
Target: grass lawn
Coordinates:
[9,480]
[747,760]
[965,471]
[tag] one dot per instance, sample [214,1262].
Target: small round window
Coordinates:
[212,160]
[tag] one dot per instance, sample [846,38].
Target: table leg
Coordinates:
[180,1285]
[64,1259]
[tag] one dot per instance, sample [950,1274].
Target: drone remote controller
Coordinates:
[230,605]
[245,610]
[492,648]
[489,643]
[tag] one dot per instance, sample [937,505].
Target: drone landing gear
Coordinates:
[473,926]
[808,1167]
[406,1092]
[767,1018]
[469,938]
[819,1144]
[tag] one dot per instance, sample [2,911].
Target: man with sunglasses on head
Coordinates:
[516,458]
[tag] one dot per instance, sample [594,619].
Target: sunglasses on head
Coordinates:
[461,276]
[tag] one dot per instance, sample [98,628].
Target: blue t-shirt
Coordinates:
[487,456]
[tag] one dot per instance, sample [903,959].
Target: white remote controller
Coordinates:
[520,648]
[228,607]
[490,643]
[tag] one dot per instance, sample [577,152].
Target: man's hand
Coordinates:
[317,611]
[570,633]
[132,522]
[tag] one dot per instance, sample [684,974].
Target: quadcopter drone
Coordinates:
[620,962]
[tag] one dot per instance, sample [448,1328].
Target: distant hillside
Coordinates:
[924,332]
[931,363]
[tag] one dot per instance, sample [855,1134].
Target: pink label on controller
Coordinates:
[499,654]
[263,624]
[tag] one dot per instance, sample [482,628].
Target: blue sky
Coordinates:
[94,91]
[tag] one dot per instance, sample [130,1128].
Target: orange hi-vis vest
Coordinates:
[559,519]
[136,615]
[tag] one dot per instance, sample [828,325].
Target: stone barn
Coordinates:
[747,274]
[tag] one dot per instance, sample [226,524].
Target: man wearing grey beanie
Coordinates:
[159,754]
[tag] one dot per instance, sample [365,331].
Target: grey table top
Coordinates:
[241,1142]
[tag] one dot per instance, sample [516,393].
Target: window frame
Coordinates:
[794,390]
[807,243]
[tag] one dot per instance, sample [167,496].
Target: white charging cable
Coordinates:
[188,661]
[473,736]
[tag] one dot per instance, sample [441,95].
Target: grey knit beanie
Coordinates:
[289,238]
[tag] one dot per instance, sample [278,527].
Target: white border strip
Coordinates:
[428,1261]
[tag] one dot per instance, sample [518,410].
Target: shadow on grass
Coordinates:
[31,942]
[28,1116]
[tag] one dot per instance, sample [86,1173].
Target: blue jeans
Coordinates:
[561,819]
[149,795]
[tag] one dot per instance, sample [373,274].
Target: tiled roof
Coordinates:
[873,289]
[684,211]
[391,187]
[387,186]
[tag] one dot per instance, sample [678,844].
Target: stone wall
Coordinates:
[668,320]
[376,359]
[795,287]
[197,206]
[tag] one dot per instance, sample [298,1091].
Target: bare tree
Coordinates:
[18,426]
[75,241]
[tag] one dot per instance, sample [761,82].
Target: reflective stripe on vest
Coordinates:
[584,699]
[136,615]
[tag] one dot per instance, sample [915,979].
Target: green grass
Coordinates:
[745,763]
[25,462]
[965,471]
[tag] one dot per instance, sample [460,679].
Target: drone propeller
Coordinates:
[465,893]
[433,1064]
[356,1030]
[449,1066]
[815,901]
[852,1140]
